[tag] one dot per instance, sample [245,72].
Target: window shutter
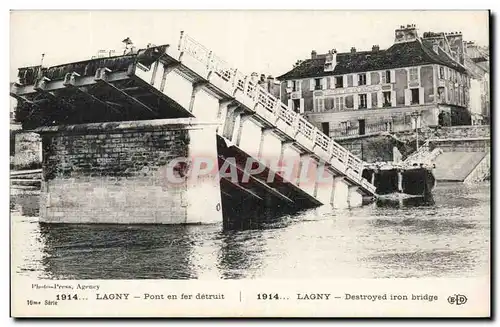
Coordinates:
[355,80]
[393,99]
[323,83]
[290,103]
[311,85]
[344,80]
[299,85]
[393,76]
[384,80]
[368,79]
[301,106]
[356,101]
[289,84]
[407,97]
[421,95]
[332,82]
[380,99]
[368,100]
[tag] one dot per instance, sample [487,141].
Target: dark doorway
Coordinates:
[326,128]
[361,127]
[296,105]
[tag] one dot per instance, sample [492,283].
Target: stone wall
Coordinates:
[476,131]
[99,175]
[457,145]
[27,148]
[371,149]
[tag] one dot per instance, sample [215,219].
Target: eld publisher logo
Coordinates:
[457,299]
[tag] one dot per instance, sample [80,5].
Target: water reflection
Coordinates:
[400,202]
[240,254]
[117,252]
[447,235]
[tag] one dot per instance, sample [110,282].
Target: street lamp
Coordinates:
[415,118]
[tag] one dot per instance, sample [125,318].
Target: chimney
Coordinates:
[455,40]
[353,50]
[313,54]
[375,47]
[406,34]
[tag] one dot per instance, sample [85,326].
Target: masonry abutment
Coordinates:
[129,174]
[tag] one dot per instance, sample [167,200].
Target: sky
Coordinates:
[267,42]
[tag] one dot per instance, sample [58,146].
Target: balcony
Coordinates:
[344,132]
[370,129]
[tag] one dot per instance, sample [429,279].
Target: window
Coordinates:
[362,101]
[339,103]
[296,86]
[441,72]
[339,82]
[345,125]
[413,74]
[387,99]
[361,79]
[407,120]
[415,96]
[387,76]
[441,95]
[320,104]
[317,84]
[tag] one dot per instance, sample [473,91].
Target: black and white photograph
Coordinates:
[250,145]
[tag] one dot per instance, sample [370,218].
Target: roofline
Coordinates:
[433,61]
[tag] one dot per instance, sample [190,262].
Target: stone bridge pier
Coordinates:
[130,172]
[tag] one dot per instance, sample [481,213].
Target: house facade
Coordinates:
[414,83]
[477,62]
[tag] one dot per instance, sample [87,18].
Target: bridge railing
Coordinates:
[353,165]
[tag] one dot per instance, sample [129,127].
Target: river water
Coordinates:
[447,236]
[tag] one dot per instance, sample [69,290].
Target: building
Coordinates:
[477,62]
[415,82]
